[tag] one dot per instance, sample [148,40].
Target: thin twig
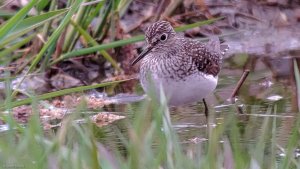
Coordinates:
[239,85]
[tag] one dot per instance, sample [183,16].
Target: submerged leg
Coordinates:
[206,108]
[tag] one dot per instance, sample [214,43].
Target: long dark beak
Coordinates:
[143,54]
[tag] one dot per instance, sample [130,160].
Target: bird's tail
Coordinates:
[215,45]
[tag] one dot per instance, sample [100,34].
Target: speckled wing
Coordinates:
[206,57]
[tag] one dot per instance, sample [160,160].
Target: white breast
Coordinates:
[192,89]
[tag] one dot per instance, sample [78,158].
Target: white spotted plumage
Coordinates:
[186,70]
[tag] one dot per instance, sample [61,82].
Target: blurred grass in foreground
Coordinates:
[149,141]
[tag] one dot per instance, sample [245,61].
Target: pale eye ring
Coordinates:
[163,37]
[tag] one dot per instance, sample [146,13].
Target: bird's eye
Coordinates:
[163,37]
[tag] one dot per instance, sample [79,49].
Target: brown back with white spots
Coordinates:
[206,58]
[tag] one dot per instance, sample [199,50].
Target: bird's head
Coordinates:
[158,35]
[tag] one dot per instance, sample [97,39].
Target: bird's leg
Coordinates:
[205,108]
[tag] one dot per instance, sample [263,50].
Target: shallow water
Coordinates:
[267,95]
[263,98]
[253,100]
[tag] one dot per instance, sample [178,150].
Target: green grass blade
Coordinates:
[42,4]
[12,23]
[105,13]
[196,24]
[261,141]
[16,46]
[71,34]
[122,42]
[29,24]
[52,39]
[93,14]
[35,21]
[297,77]
[89,39]
[60,93]
[55,35]
[98,48]
[292,143]
[12,38]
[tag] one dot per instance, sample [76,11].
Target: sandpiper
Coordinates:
[185,69]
